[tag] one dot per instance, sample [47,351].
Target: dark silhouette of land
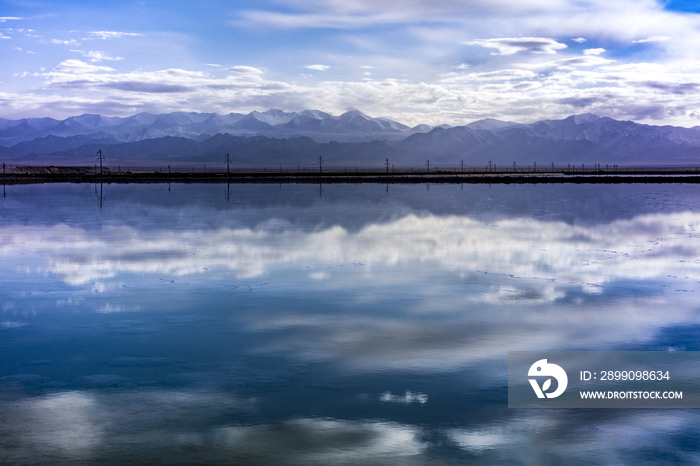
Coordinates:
[490,175]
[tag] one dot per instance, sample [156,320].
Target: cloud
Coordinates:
[674,88]
[500,270]
[65,42]
[186,426]
[593,51]
[586,60]
[97,56]
[493,246]
[500,75]
[79,67]
[537,433]
[4,37]
[333,14]
[148,87]
[558,88]
[317,67]
[214,64]
[74,74]
[412,87]
[510,46]
[580,40]
[111,34]
[245,70]
[652,39]
[9,18]
[408,398]
[316,21]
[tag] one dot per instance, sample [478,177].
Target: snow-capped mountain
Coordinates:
[585,138]
[350,138]
[352,126]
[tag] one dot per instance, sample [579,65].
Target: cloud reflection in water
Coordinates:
[510,284]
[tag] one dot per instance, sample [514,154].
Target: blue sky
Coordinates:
[445,61]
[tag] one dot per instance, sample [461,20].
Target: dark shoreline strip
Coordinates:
[315,178]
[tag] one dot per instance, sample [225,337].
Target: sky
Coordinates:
[438,62]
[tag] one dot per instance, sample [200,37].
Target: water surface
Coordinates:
[335,324]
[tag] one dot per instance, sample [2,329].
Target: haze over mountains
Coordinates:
[352,126]
[275,138]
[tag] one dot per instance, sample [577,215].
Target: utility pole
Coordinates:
[513,167]
[227,159]
[320,164]
[427,163]
[100,157]
[461,163]
[387,166]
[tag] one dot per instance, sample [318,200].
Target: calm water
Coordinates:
[343,324]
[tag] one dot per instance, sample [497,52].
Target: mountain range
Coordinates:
[278,138]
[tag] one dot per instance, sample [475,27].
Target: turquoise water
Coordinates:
[342,324]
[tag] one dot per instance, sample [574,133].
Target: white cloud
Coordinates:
[510,46]
[362,13]
[500,75]
[245,70]
[597,51]
[536,434]
[573,62]
[634,252]
[65,42]
[111,34]
[408,398]
[317,67]
[529,92]
[421,93]
[652,39]
[528,264]
[78,426]
[214,64]
[4,37]
[9,18]
[79,67]
[97,56]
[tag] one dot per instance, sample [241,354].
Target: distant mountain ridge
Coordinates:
[276,137]
[585,138]
[352,126]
